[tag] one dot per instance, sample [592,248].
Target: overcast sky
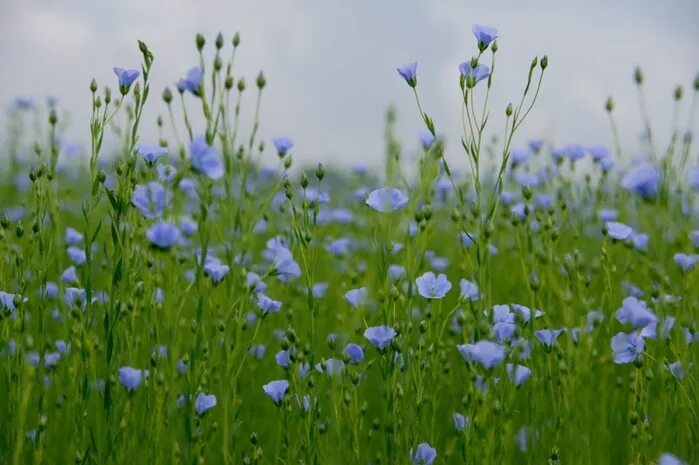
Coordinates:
[330,64]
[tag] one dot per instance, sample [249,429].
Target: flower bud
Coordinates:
[167,95]
[236,39]
[93,86]
[609,105]
[544,62]
[508,110]
[261,81]
[241,84]
[638,76]
[219,41]
[678,93]
[200,41]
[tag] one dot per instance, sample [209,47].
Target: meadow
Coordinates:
[171,300]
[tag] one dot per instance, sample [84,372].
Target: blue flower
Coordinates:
[357,297]
[130,378]
[639,240]
[191,82]
[203,403]
[331,366]
[635,312]
[380,336]
[254,282]
[485,35]
[686,262]
[627,347]
[51,360]
[354,353]
[24,103]
[525,313]
[283,264]
[478,73]
[73,237]
[548,336]
[151,199]
[518,373]
[163,235]
[340,246]
[216,271]
[396,272]
[7,300]
[669,459]
[386,199]
[618,231]
[151,153]
[283,145]
[426,139]
[598,153]
[487,353]
[283,358]
[205,159]
[70,275]
[642,180]
[267,305]
[424,455]
[676,369]
[74,296]
[519,156]
[431,286]
[62,346]
[276,390]
[535,145]
[126,78]
[77,255]
[460,421]
[468,290]
[409,73]
[503,323]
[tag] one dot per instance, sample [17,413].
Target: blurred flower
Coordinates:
[386,199]
[151,199]
[205,159]
[634,312]
[518,373]
[283,145]
[191,82]
[130,378]
[354,353]
[548,336]
[487,353]
[642,180]
[618,231]
[151,153]
[423,455]
[276,390]
[379,336]
[163,235]
[267,305]
[627,347]
[468,290]
[203,403]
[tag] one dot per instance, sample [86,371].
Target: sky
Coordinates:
[331,65]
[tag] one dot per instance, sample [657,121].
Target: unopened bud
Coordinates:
[200,41]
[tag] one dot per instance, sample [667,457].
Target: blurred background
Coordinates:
[330,65]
